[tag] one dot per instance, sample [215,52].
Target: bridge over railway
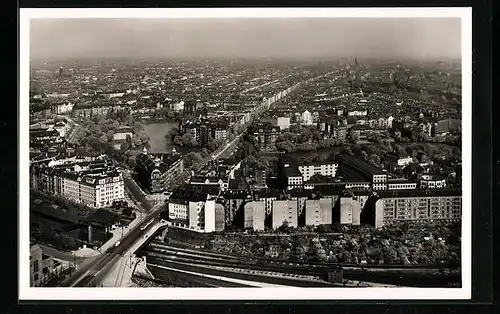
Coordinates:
[104,264]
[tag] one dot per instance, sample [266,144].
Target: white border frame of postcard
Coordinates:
[29,293]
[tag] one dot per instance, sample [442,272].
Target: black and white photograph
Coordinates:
[285,148]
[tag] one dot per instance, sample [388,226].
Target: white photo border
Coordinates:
[30,293]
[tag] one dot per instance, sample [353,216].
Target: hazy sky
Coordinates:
[293,38]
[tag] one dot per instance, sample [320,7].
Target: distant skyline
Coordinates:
[405,38]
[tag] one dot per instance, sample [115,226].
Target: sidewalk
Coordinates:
[121,274]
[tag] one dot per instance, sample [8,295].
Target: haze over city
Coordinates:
[263,152]
[407,38]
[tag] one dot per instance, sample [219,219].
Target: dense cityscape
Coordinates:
[245,172]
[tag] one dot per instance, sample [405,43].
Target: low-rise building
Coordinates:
[61,128]
[62,108]
[87,110]
[44,135]
[222,182]
[266,135]
[432,182]
[401,184]
[306,118]
[41,266]
[122,133]
[178,106]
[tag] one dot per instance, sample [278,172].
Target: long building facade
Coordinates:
[93,183]
[442,205]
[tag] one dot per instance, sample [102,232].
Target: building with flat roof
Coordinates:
[401,184]
[392,206]
[197,211]
[327,169]
[319,212]
[284,212]
[254,215]
[350,205]
[234,201]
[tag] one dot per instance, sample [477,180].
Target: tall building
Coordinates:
[234,200]
[318,212]
[284,212]
[348,211]
[254,215]
[197,211]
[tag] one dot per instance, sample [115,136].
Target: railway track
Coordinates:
[257,267]
[261,276]
[293,275]
[236,265]
[203,252]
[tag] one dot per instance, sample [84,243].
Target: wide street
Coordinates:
[104,259]
[136,192]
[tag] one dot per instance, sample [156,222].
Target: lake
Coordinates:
[159,143]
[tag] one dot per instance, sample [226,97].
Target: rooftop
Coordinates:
[420,193]
[148,161]
[360,165]
[184,196]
